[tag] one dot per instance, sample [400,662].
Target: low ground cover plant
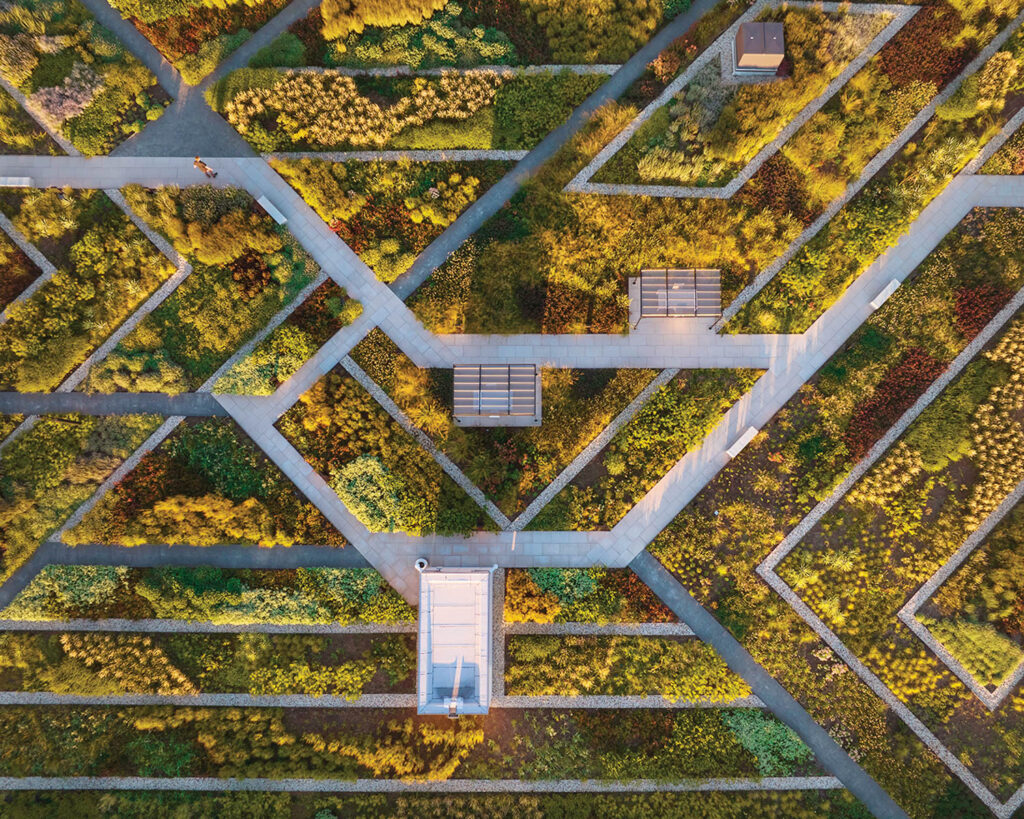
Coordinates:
[733,523]
[275,359]
[294,110]
[712,128]
[595,595]
[678,669]
[675,420]
[245,269]
[106,268]
[195,35]
[907,515]
[553,262]
[390,743]
[49,471]
[512,465]
[435,33]
[380,472]
[206,484]
[389,212]
[224,596]
[76,74]
[98,663]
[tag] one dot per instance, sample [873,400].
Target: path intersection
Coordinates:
[162,154]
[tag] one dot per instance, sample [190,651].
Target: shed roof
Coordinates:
[760,46]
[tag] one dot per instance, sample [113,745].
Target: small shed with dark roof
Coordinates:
[760,47]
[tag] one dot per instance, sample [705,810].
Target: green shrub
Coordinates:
[286,51]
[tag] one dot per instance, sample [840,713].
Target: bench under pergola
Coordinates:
[677,293]
[497,395]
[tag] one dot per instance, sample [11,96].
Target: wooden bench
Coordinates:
[272,211]
[15,181]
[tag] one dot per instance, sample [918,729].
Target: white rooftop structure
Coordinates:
[675,293]
[454,657]
[505,395]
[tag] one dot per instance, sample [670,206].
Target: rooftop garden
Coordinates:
[77,76]
[296,110]
[205,594]
[106,269]
[714,126]
[439,33]
[245,269]
[195,35]
[389,212]
[380,472]
[204,485]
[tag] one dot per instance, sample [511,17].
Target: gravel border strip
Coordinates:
[406,71]
[442,155]
[33,112]
[154,440]
[907,614]
[599,629]
[279,318]
[874,166]
[722,48]
[767,571]
[167,626]
[446,463]
[295,785]
[591,450]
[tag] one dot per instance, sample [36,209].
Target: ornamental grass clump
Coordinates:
[327,109]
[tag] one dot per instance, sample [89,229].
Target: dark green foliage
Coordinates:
[527,109]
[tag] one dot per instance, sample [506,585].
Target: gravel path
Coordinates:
[215,785]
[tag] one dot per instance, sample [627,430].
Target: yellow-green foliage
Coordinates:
[344,17]
[328,110]
[580,30]
[679,670]
[47,472]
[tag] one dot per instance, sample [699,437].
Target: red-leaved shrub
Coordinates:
[977,306]
[896,393]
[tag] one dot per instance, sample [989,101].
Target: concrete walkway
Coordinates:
[119,403]
[826,750]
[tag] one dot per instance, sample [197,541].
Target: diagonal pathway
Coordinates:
[38,259]
[474,217]
[826,750]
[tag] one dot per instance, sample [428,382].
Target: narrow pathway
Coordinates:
[826,750]
[118,403]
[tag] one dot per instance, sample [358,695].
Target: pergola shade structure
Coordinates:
[454,651]
[498,395]
[759,48]
[680,293]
